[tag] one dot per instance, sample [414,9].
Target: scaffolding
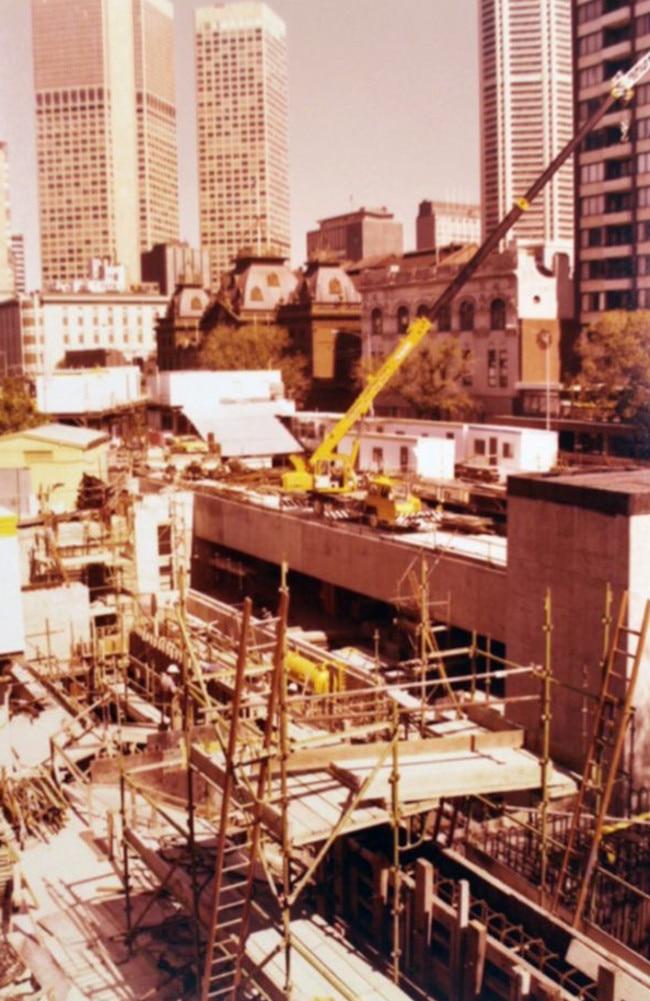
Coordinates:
[272,765]
[261,766]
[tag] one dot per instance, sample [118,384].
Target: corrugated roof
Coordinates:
[62,434]
[249,435]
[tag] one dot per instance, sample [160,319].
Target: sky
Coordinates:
[383,111]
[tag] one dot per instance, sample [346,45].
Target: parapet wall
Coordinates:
[354,557]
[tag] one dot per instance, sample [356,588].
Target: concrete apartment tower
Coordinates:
[106,132]
[242,102]
[613,176]
[527,117]
[7,279]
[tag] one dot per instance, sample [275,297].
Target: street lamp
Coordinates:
[544,341]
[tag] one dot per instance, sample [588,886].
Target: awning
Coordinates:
[244,435]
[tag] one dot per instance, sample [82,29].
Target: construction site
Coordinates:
[279,812]
[317,731]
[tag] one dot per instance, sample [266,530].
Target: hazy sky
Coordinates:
[383,110]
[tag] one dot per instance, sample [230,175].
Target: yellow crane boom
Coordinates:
[325,461]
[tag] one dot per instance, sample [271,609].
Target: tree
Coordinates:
[257,347]
[614,376]
[431,381]
[17,408]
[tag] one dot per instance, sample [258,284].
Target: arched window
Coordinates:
[402,319]
[256,294]
[466,314]
[272,279]
[497,314]
[196,304]
[423,310]
[377,322]
[444,319]
[335,287]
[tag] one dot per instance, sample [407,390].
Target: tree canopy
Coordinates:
[614,376]
[257,347]
[433,380]
[17,408]
[614,354]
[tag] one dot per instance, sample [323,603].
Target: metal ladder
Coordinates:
[613,711]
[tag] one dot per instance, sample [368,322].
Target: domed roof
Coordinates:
[263,285]
[188,301]
[327,283]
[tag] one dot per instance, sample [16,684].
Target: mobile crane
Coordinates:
[329,472]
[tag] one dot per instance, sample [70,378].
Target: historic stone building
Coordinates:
[178,332]
[323,317]
[511,319]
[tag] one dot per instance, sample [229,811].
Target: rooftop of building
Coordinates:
[61,434]
[613,491]
[326,281]
[357,214]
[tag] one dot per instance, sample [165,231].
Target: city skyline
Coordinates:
[376,95]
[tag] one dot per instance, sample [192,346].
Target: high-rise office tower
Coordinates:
[106,131]
[7,280]
[241,79]
[17,246]
[527,116]
[156,120]
[613,175]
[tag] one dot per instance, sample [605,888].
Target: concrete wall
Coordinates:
[188,388]
[85,391]
[15,492]
[356,558]
[573,537]
[56,620]
[639,588]
[157,569]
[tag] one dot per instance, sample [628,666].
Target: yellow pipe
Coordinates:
[322,679]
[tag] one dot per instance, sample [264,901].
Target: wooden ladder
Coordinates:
[613,712]
[239,833]
[231,895]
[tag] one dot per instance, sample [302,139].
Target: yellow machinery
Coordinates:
[388,502]
[320,679]
[330,472]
